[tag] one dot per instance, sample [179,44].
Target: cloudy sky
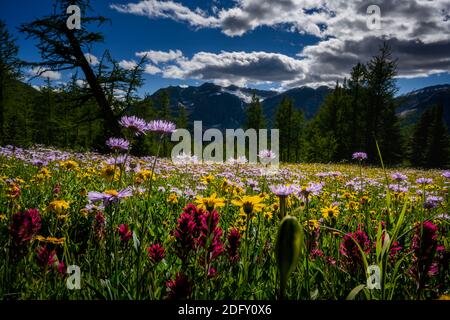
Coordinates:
[276,44]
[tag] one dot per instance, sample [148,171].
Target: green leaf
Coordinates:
[352,295]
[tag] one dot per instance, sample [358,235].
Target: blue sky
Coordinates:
[274,47]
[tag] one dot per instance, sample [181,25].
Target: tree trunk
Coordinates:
[110,124]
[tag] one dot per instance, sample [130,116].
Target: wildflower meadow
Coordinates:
[116,226]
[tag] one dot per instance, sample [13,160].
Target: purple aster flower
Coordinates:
[359,156]
[161,126]
[118,144]
[266,156]
[135,124]
[432,202]
[109,196]
[424,181]
[446,174]
[397,176]
[397,188]
[282,190]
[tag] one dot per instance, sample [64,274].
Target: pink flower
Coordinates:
[180,288]
[62,268]
[46,257]
[351,253]
[183,233]
[25,225]
[156,253]
[234,239]
[124,233]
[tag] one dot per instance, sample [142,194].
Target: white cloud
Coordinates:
[91,59]
[167,9]
[43,73]
[236,67]
[160,56]
[417,30]
[128,64]
[151,69]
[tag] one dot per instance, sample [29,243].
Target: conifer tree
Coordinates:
[9,69]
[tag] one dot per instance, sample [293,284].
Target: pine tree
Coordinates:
[380,119]
[283,121]
[163,105]
[182,119]
[438,150]
[430,141]
[9,69]
[255,115]
[297,135]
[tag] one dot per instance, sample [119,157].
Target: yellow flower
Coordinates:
[110,172]
[330,212]
[268,215]
[69,165]
[347,196]
[52,240]
[144,175]
[112,192]
[210,203]
[2,217]
[352,205]
[58,206]
[173,198]
[84,212]
[57,241]
[40,238]
[312,225]
[249,204]
[444,297]
[207,179]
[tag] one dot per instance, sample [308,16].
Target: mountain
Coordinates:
[224,107]
[413,104]
[216,106]
[305,98]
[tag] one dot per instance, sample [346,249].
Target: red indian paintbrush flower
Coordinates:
[46,257]
[124,233]
[25,225]
[352,257]
[156,253]
[180,288]
[424,248]
[234,239]
[183,233]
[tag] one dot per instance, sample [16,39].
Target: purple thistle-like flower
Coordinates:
[282,190]
[397,176]
[424,181]
[397,188]
[109,197]
[432,202]
[359,156]
[446,174]
[266,155]
[118,144]
[135,124]
[161,126]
